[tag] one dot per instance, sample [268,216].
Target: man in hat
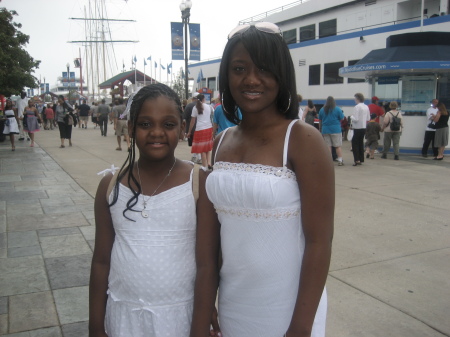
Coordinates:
[375,108]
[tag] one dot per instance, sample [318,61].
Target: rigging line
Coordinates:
[103,41]
[85,62]
[101,19]
[112,48]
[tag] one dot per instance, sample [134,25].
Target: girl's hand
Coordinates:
[215,331]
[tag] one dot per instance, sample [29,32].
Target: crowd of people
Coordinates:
[30,117]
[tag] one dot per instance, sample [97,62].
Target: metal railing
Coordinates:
[362,29]
[261,16]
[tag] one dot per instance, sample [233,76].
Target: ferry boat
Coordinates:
[397,50]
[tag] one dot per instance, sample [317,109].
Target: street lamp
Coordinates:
[68,82]
[185,7]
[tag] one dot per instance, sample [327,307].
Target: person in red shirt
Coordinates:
[375,108]
[378,110]
[49,115]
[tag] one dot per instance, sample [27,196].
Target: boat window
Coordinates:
[314,74]
[307,33]
[290,36]
[327,28]
[212,83]
[331,73]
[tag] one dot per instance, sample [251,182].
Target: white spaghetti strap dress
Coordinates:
[151,280]
[262,245]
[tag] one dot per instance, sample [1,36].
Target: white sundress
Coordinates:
[13,127]
[151,280]
[262,244]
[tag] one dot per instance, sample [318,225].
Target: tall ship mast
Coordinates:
[99,62]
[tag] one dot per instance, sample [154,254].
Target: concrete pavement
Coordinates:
[390,268]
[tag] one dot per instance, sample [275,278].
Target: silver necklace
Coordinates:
[144,212]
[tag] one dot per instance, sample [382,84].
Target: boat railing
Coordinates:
[395,22]
[362,29]
[261,16]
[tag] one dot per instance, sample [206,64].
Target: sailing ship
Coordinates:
[99,60]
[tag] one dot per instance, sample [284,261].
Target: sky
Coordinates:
[49,27]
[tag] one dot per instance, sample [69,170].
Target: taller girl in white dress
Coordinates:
[143,268]
[262,206]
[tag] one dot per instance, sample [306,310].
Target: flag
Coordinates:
[156,65]
[149,58]
[162,67]
[169,67]
[145,63]
[135,59]
[182,74]
[194,35]
[177,40]
[200,76]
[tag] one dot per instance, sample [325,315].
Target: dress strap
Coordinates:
[220,142]
[286,142]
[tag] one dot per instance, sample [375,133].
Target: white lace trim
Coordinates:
[257,214]
[282,172]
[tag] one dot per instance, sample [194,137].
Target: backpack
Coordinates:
[396,122]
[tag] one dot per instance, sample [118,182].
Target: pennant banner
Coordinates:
[194,34]
[177,40]
[200,76]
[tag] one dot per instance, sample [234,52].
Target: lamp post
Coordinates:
[68,82]
[185,7]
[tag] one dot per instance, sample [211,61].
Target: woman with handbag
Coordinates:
[65,120]
[441,126]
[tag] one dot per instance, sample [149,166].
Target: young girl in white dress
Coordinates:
[11,124]
[143,268]
[262,207]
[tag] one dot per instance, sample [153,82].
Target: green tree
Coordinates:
[16,65]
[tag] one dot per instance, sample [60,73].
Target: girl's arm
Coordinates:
[207,259]
[436,117]
[317,209]
[104,239]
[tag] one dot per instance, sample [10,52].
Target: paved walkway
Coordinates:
[389,274]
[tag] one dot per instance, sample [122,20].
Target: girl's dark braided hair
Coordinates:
[148,92]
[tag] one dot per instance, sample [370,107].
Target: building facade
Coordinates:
[376,47]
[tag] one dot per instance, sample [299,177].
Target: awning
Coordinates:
[122,77]
[401,60]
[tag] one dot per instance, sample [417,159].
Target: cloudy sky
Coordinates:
[49,27]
